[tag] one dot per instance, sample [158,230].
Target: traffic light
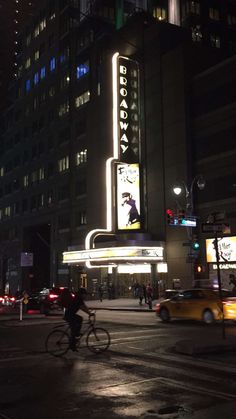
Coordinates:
[170,216]
[181,217]
[195,243]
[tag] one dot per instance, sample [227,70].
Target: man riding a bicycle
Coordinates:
[74,320]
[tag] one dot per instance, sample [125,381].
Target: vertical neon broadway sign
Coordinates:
[126,120]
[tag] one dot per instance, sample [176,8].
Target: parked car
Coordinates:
[7,300]
[44,300]
[198,304]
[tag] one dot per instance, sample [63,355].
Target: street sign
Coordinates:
[26,259]
[216,228]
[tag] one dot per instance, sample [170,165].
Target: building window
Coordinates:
[50,197]
[64,108]
[82,70]
[40,200]
[81,157]
[159,13]
[52,91]
[82,99]
[26,181]
[36,31]
[27,63]
[34,176]
[81,218]
[41,173]
[215,41]
[1,171]
[63,164]
[42,73]
[7,211]
[36,78]
[42,25]
[28,40]
[36,55]
[231,19]
[53,64]
[196,33]
[214,14]
[193,7]
[27,85]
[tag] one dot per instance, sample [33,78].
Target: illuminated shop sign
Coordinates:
[128,197]
[128,109]
[115,255]
[226,247]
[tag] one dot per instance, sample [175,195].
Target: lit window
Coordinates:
[40,200]
[36,31]
[63,164]
[81,157]
[42,25]
[159,13]
[52,16]
[1,171]
[41,173]
[82,69]
[81,218]
[36,78]
[82,99]
[215,41]
[7,211]
[53,64]
[27,85]
[214,13]
[36,55]
[42,73]
[28,40]
[28,63]
[52,91]
[26,181]
[64,108]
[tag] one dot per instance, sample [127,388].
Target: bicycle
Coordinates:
[58,340]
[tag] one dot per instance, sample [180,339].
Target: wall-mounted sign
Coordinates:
[128,109]
[226,247]
[26,259]
[128,197]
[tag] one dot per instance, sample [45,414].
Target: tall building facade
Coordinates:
[68,157]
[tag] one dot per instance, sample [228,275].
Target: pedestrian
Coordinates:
[135,288]
[149,294]
[100,292]
[232,281]
[145,293]
[140,294]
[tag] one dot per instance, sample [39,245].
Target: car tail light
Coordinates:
[1,299]
[53,296]
[12,299]
[158,307]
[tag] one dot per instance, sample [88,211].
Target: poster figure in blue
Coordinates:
[132,213]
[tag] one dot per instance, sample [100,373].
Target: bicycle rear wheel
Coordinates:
[98,340]
[57,343]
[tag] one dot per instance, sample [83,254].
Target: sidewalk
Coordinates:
[124,304]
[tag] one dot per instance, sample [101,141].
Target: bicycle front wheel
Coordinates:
[98,340]
[57,343]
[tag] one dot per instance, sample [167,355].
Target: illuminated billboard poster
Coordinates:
[128,197]
[128,109]
[226,248]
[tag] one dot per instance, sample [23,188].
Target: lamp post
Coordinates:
[178,189]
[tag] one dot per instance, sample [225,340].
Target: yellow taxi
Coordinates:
[198,304]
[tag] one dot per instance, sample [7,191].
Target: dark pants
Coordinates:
[75,322]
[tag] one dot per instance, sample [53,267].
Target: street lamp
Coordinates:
[178,189]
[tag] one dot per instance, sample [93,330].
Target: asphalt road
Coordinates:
[141,376]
